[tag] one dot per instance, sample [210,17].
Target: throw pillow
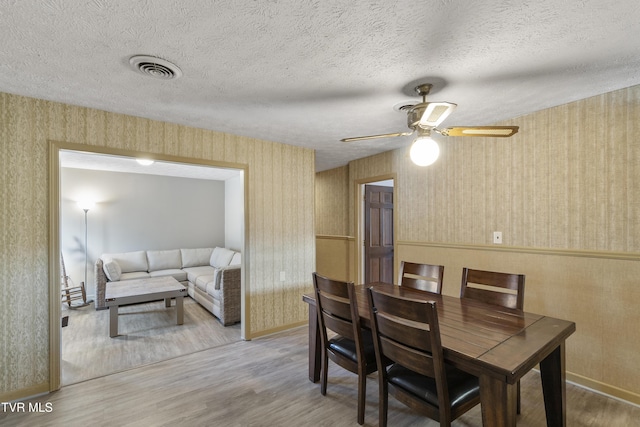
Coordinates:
[237,259]
[220,257]
[112,270]
[164,260]
[196,257]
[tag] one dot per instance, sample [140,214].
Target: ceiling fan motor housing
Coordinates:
[414,115]
[428,115]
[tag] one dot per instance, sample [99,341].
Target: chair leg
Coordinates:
[84,292]
[323,376]
[362,394]
[383,402]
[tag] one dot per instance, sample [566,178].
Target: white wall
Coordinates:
[136,212]
[234,212]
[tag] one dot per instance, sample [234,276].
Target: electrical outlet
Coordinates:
[497,237]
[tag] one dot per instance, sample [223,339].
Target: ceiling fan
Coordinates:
[422,118]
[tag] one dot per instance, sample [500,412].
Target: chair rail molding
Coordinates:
[626,256]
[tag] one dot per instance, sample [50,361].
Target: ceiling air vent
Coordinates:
[155,67]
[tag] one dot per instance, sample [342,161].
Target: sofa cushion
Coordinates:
[134,275]
[112,269]
[176,273]
[210,281]
[203,281]
[237,259]
[129,261]
[214,291]
[196,257]
[220,257]
[163,260]
[194,272]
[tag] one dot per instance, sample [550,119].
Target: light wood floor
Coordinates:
[264,383]
[148,334]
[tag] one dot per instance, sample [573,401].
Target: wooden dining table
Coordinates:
[498,345]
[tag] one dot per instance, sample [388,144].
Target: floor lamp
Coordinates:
[85,205]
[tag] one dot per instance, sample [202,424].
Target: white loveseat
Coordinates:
[211,275]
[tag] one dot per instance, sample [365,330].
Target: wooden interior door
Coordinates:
[378,234]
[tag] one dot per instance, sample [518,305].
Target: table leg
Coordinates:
[498,401]
[314,345]
[552,373]
[180,310]
[167,302]
[113,321]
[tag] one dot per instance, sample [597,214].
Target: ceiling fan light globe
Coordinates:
[424,151]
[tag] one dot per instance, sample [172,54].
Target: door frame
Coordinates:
[358,209]
[55,312]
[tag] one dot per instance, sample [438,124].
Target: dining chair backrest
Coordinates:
[425,277]
[335,311]
[406,332]
[503,289]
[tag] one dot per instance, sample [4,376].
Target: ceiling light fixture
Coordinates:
[144,162]
[424,150]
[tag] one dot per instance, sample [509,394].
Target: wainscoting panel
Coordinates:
[597,291]
[335,257]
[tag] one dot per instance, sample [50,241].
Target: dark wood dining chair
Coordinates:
[406,332]
[425,277]
[490,287]
[352,347]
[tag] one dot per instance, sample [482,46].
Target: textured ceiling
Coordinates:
[309,72]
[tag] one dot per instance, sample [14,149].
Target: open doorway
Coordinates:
[376,227]
[90,318]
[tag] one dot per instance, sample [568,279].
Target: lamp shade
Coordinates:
[86,204]
[424,151]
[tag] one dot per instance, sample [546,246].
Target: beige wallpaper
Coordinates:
[332,202]
[567,180]
[564,193]
[371,167]
[280,223]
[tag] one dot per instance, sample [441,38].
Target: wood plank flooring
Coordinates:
[148,334]
[264,383]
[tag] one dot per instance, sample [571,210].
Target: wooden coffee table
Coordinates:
[143,290]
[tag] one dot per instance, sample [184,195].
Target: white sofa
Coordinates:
[211,275]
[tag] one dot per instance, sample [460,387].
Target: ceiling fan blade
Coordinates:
[435,113]
[384,135]
[486,131]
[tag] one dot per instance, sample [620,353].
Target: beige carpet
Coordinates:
[148,334]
